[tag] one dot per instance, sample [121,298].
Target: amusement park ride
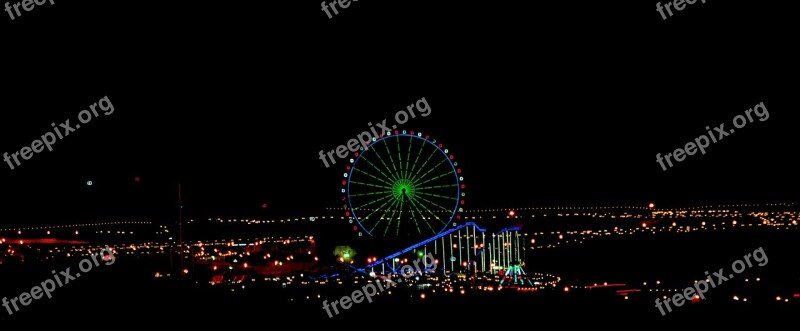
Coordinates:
[407,187]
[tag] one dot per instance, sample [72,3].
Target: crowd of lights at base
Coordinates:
[284,260]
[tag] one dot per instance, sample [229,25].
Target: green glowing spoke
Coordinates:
[434,204]
[433,152]
[390,203]
[414,218]
[411,201]
[408,156]
[399,218]
[435,187]
[393,177]
[416,160]
[423,176]
[391,159]
[372,202]
[385,175]
[400,158]
[383,217]
[391,218]
[370,185]
[436,195]
[373,176]
[435,178]
[370,193]
[431,212]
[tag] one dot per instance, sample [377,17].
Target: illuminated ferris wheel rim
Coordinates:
[397,134]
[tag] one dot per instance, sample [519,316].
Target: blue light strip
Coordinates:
[425,242]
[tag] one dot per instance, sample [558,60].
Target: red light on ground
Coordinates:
[355,228]
[137,179]
[263,206]
[511,213]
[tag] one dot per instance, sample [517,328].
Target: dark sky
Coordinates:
[547,103]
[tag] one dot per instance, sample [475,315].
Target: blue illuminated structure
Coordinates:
[468,244]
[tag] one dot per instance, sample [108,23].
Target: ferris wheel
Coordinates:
[404,184]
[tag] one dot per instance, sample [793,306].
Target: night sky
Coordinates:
[552,103]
